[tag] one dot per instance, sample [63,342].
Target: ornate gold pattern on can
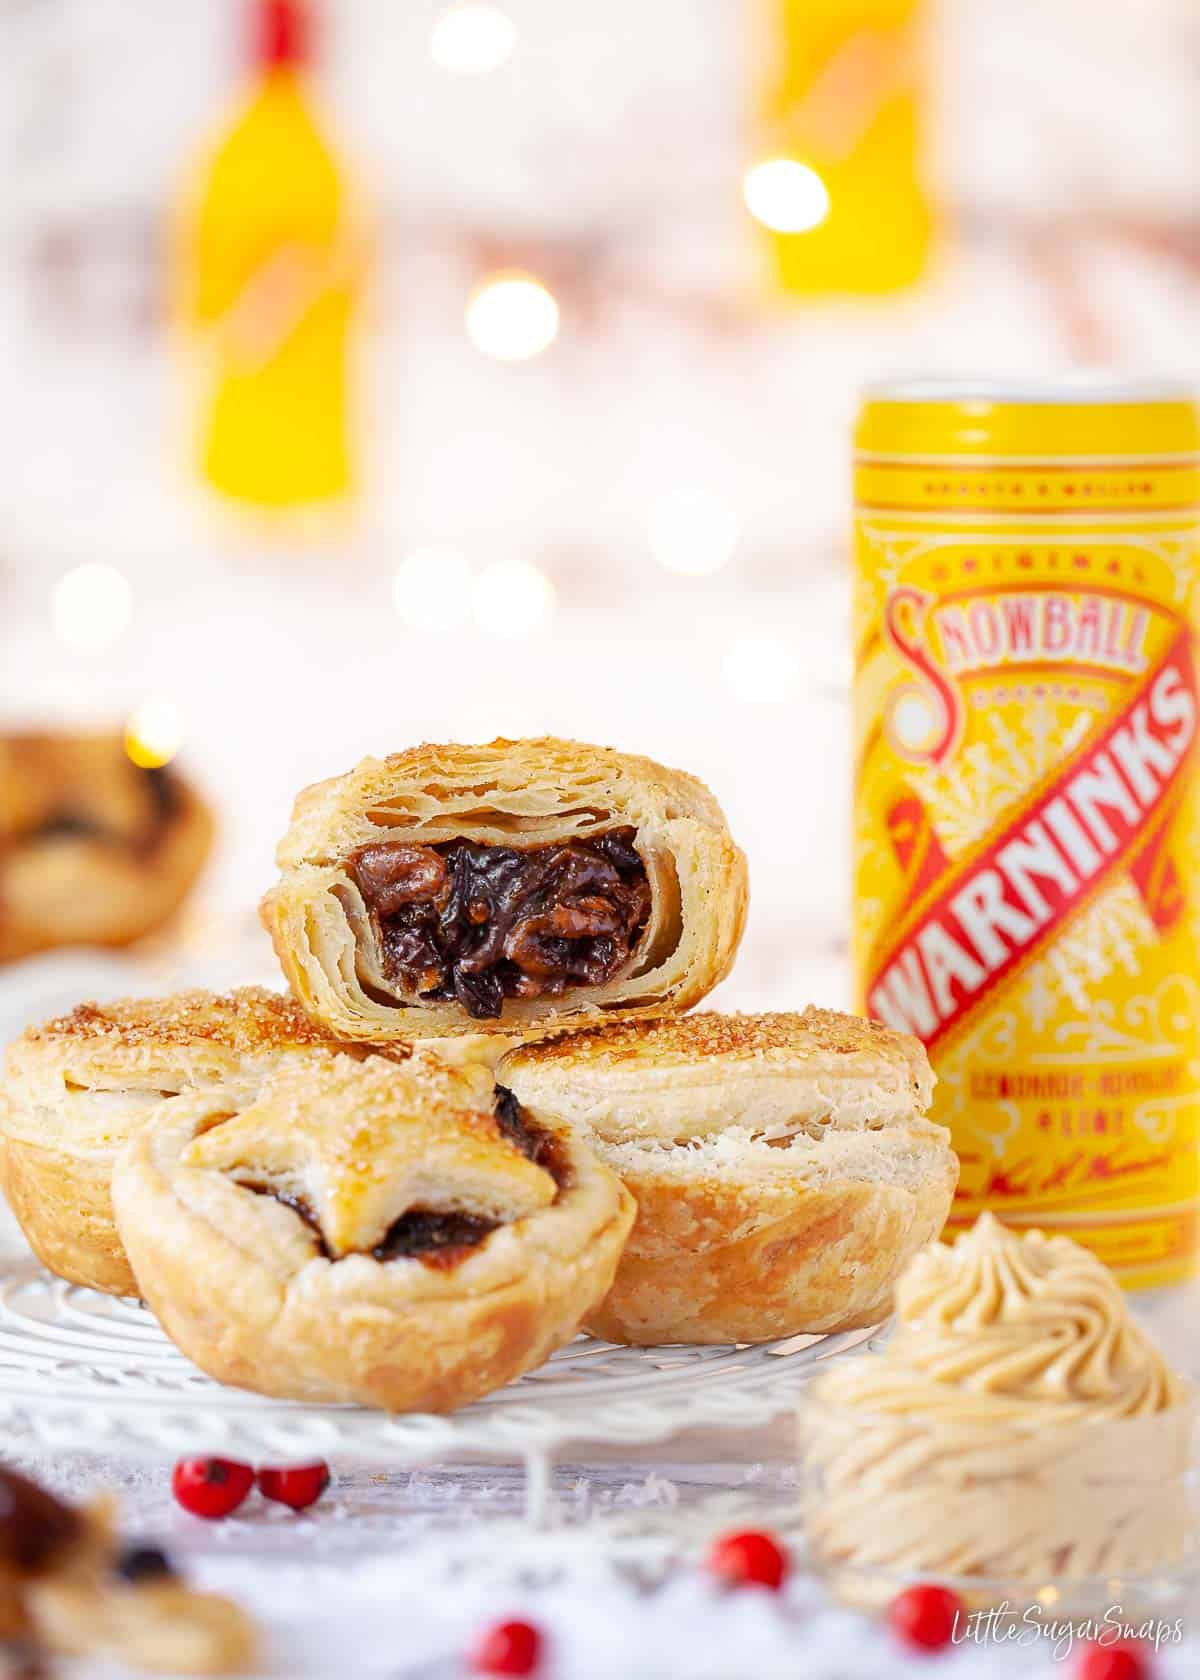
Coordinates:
[1027,822]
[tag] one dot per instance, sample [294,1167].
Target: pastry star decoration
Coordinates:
[361,1143]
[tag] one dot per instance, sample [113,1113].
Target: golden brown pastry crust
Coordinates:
[93,849]
[240,1282]
[782,1167]
[63,1204]
[695,1075]
[75,1088]
[719,1260]
[508,793]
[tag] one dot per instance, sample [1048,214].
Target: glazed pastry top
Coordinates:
[359,1145]
[248,1019]
[501,793]
[698,1076]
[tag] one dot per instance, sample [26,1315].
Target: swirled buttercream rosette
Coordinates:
[1018,1435]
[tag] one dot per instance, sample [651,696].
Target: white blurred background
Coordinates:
[637,534]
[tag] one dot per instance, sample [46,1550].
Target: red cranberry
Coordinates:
[299,1487]
[211,1487]
[749,1559]
[507,1648]
[1113,1662]
[925,1617]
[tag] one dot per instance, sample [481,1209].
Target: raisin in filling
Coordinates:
[439,1240]
[442,1240]
[477,924]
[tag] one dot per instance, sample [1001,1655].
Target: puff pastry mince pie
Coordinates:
[94,850]
[783,1168]
[76,1088]
[69,1587]
[523,882]
[357,1232]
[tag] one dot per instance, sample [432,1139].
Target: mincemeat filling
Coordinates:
[478,924]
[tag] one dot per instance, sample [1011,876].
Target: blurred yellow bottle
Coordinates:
[268,277]
[841,94]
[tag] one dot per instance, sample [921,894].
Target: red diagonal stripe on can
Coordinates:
[918,850]
[995,911]
[1157,878]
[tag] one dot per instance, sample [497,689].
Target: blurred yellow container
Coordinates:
[842,94]
[268,266]
[1027,827]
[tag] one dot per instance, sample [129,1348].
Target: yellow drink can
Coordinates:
[1027,808]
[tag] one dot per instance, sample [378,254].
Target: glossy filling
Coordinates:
[442,1240]
[477,924]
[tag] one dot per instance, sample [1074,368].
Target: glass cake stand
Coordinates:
[84,1372]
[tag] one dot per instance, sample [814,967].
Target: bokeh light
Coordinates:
[786,196]
[512,316]
[512,598]
[154,733]
[693,531]
[761,670]
[91,606]
[472,38]
[431,589]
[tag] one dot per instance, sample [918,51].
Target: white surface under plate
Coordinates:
[81,1371]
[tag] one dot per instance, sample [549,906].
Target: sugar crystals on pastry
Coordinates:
[94,849]
[363,1230]
[782,1164]
[518,883]
[76,1088]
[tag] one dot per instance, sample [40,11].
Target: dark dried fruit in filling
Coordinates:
[477,923]
[440,1239]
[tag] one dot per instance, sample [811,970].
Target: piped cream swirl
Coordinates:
[1018,1425]
[1027,1321]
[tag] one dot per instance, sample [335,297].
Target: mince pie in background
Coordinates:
[68,1587]
[94,850]
[75,1089]
[782,1164]
[523,883]
[362,1230]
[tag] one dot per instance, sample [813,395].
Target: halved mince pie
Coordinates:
[94,850]
[356,1232]
[523,883]
[76,1088]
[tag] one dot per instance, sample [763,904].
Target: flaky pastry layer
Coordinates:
[244,1285]
[512,794]
[76,1088]
[697,1075]
[782,1166]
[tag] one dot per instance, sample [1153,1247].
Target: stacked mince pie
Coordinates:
[482,1116]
